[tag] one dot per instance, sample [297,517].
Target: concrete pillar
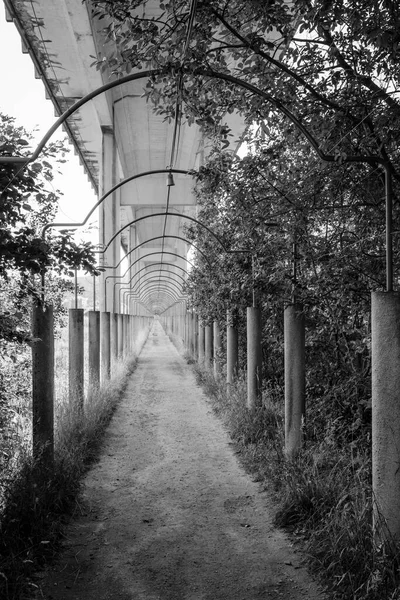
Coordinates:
[208,346]
[232,348]
[133,331]
[195,337]
[201,342]
[43,384]
[109,217]
[76,357]
[295,379]
[105,345]
[254,357]
[94,349]
[217,348]
[114,337]
[385,321]
[127,337]
[120,335]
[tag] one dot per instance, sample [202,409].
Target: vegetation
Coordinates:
[310,80]
[323,496]
[305,75]
[35,506]
[32,504]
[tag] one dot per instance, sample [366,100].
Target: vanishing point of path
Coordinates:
[168,512]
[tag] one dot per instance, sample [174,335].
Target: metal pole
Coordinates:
[389,228]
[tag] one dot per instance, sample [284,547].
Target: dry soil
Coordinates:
[168,513]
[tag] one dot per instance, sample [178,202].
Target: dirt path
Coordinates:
[168,512]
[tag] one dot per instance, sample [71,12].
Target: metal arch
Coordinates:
[177,237]
[278,105]
[127,293]
[198,71]
[158,271]
[152,285]
[133,264]
[154,291]
[163,214]
[165,279]
[110,191]
[155,274]
[142,269]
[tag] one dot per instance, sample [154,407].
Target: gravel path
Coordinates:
[168,512]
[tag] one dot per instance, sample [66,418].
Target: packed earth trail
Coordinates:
[168,513]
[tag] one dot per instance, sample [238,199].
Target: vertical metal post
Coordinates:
[389,228]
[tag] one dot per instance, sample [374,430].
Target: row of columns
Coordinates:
[203,342]
[111,337]
[385,353]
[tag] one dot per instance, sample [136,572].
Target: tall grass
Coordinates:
[323,496]
[36,505]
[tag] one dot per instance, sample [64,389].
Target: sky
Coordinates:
[23,97]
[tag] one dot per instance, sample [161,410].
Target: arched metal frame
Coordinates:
[159,237]
[137,273]
[134,263]
[201,71]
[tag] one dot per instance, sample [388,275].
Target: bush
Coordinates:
[323,496]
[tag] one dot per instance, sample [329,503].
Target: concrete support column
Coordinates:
[105,346]
[295,380]
[43,384]
[133,332]
[201,351]
[385,320]
[76,357]
[127,337]
[120,336]
[195,336]
[114,337]
[232,348]
[254,357]
[94,349]
[109,218]
[217,348]
[208,346]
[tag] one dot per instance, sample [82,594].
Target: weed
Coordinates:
[36,505]
[323,495]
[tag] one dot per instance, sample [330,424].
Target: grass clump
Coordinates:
[323,495]
[36,504]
